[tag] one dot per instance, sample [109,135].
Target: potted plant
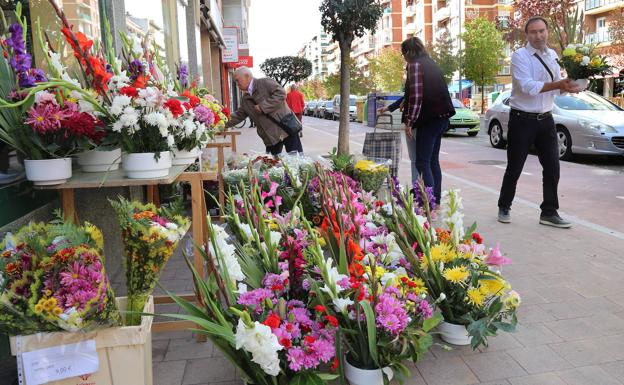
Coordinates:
[192,131]
[455,266]
[371,173]
[581,63]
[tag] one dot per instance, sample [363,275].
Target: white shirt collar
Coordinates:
[250,88]
[532,50]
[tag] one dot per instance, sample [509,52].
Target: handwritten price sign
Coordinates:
[60,362]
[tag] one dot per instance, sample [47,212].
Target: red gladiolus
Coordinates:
[141,81]
[84,43]
[273,321]
[332,320]
[129,91]
[100,76]
[175,106]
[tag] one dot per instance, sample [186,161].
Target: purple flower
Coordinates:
[425,309]
[296,357]
[135,68]
[183,75]
[391,315]
[204,114]
[255,298]
[420,202]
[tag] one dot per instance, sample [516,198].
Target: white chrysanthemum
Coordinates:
[170,141]
[117,126]
[585,61]
[150,97]
[342,304]
[262,344]
[119,103]
[189,127]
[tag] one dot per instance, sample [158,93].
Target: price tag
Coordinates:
[60,362]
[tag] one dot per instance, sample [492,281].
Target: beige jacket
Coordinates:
[271,98]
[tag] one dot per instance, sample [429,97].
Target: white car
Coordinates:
[586,124]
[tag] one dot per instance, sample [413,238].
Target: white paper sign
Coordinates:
[60,362]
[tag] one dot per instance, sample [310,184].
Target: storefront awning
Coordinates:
[454,87]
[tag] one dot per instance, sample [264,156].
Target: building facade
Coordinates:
[318,51]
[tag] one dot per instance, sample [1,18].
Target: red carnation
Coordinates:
[332,320]
[309,339]
[320,308]
[285,342]
[477,238]
[194,101]
[175,106]
[273,321]
[129,91]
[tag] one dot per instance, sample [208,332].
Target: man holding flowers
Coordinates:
[536,81]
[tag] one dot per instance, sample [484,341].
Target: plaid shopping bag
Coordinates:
[386,145]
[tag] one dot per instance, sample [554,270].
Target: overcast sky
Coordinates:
[281,27]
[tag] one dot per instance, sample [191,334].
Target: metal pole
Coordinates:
[459,49]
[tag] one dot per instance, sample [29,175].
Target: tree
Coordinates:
[287,69]
[332,84]
[483,52]
[387,70]
[345,20]
[564,16]
[442,53]
[313,89]
[360,83]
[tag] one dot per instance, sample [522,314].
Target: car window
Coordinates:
[458,104]
[584,101]
[506,101]
[352,102]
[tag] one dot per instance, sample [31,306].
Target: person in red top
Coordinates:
[296,103]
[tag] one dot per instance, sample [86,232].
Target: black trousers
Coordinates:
[522,133]
[292,143]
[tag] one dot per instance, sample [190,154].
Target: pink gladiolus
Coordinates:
[495,258]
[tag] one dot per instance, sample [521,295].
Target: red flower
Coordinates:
[84,43]
[273,321]
[100,76]
[309,339]
[83,124]
[217,119]
[175,106]
[332,320]
[194,101]
[141,81]
[129,91]
[226,112]
[335,364]
[285,342]
[404,279]
[320,309]
[277,287]
[477,238]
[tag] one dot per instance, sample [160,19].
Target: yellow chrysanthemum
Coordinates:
[95,234]
[456,274]
[369,165]
[494,286]
[57,311]
[38,308]
[475,297]
[379,271]
[443,253]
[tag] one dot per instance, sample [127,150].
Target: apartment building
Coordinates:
[417,20]
[317,50]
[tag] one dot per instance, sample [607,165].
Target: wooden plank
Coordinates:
[169,326]
[161,299]
[197,194]
[204,175]
[67,202]
[218,145]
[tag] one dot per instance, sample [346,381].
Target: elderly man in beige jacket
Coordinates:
[264,101]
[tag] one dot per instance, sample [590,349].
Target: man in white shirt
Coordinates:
[536,81]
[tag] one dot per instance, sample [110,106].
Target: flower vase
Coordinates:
[581,83]
[357,376]
[145,166]
[181,157]
[454,334]
[100,160]
[48,172]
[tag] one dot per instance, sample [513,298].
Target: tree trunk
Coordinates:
[345,90]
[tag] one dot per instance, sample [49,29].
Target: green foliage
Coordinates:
[347,19]
[341,162]
[387,70]
[442,53]
[332,84]
[360,83]
[287,69]
[313,89]
[483,52]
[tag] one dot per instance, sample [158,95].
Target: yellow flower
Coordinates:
[456,274]
[38,308]
[578,58]
[512,300]
[569,52]
[443,253]
[57,311]
[596,61]
[475,297]
[379,271]
[369,165]
[95,234]
[495,286]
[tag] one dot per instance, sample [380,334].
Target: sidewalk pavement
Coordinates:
[571,321]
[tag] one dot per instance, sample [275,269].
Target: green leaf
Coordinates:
[327,376]
[371,330]
[432,321]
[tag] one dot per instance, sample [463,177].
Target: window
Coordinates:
[601,23]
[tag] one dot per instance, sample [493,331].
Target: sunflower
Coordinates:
[456,274]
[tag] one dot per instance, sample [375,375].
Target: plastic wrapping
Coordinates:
[371,172]
[52,278]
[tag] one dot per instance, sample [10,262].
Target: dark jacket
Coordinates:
[436,98]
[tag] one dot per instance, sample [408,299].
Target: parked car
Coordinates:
[328,113]
[310,107]
[352,107]
[464,121]
[319,112]
[586,124]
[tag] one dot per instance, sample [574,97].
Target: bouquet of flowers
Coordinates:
[371,173]
[149,235]
[193,129]
[455,267]
[582,62]
[52,278]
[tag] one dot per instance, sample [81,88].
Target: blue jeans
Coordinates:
[411,150]
[428,140]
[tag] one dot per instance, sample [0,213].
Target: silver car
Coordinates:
[586,124]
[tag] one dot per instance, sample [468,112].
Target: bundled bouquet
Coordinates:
[456,267]
[149,235]
[52,278]
[582,62]
[371,173]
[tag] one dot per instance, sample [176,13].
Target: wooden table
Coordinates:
[232,135]
[82,180]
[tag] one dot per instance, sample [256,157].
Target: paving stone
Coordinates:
[171,335]
[415,378]
[494,366]
[538,359]
[532,297]
[503,341]
[575,329]
[533,313]
[209,370]
[497,382]
[446,371]
[442,349]
[616,369]
[592,351]
[188,349]
[588,375]
[538,379]
[535,334]
[169,372]
[159,348]
[565,310]
[558,294]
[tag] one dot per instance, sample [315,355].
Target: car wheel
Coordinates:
[565,143]
[496,135]
[473,133]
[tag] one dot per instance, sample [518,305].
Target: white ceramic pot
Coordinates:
[454,334]
[48,172]
[181,158]
[144,166]
[581,83]
[357,376]
[100,160]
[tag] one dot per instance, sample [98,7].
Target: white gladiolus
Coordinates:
[246,229]
[342,304]
[262,344]
[333,276]
[275,238]
[228,254]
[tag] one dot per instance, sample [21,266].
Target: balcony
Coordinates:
[410,27]
[410,10]
[443,14]
[598,37]
[593,7]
